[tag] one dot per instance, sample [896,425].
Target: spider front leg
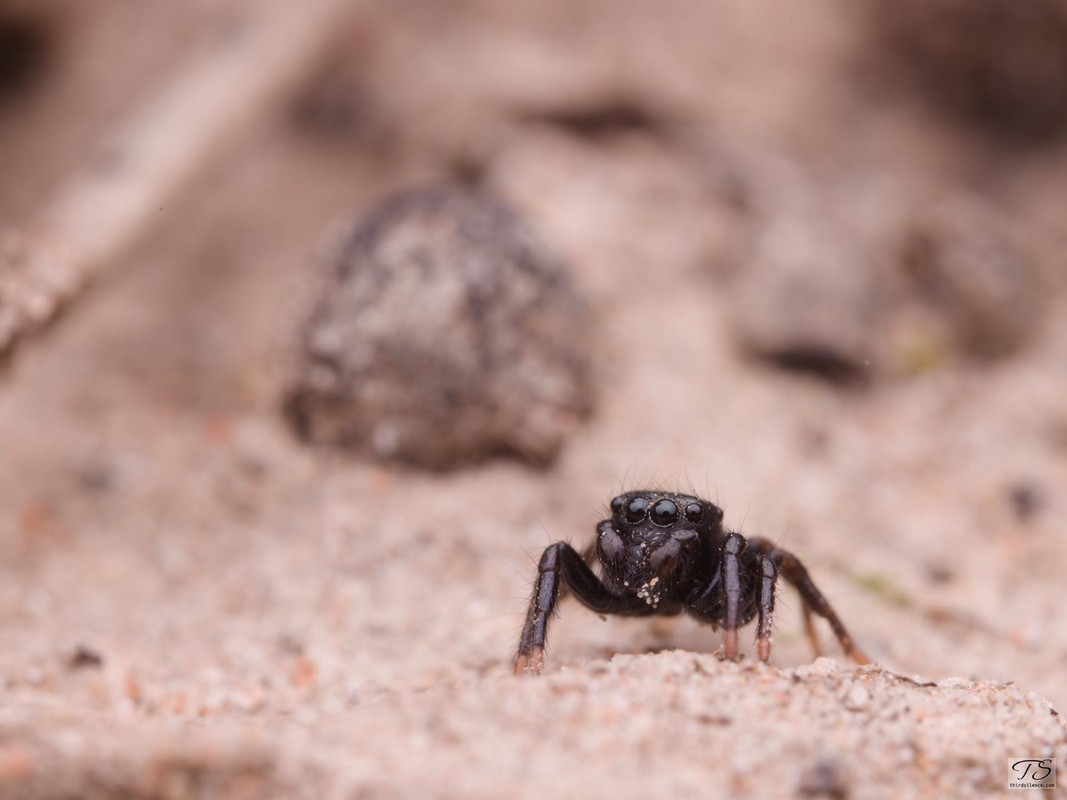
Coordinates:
[731,574]
[797,575]
[765,625]
[561,565]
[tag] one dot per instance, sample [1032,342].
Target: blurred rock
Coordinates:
[447,333]
[805,299]
[972,284]
[83,657]
[824,779]
[1001,64]
[26,44]
[846,284]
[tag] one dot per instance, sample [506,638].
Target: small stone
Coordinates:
[824,779]
[84,657]
[447,333]
[823,666]
[857,697]
[1026,501]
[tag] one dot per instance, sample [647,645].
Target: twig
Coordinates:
[188,123]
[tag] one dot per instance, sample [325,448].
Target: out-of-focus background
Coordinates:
[813,258]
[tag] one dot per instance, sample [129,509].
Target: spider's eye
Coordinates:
[694,512]
[636,509]
[664,513]
[617,504]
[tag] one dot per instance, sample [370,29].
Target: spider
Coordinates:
[664,553]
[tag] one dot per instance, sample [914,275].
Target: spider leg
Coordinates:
[764,628]
[797,575]
[562,566]
[731,567]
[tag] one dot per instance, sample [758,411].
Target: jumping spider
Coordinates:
[664,553]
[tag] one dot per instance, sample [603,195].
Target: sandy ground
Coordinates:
[193,604]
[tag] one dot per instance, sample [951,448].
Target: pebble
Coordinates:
[447,333]
[857,698]
[821,666]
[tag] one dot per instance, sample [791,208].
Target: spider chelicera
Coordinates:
[662,553]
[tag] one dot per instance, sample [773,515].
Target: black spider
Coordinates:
[665,553]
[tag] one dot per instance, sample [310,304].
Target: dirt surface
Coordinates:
[634,726]
[194,604]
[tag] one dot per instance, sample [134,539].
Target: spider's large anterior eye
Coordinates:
[664,513]
[636,509]
[694,512]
